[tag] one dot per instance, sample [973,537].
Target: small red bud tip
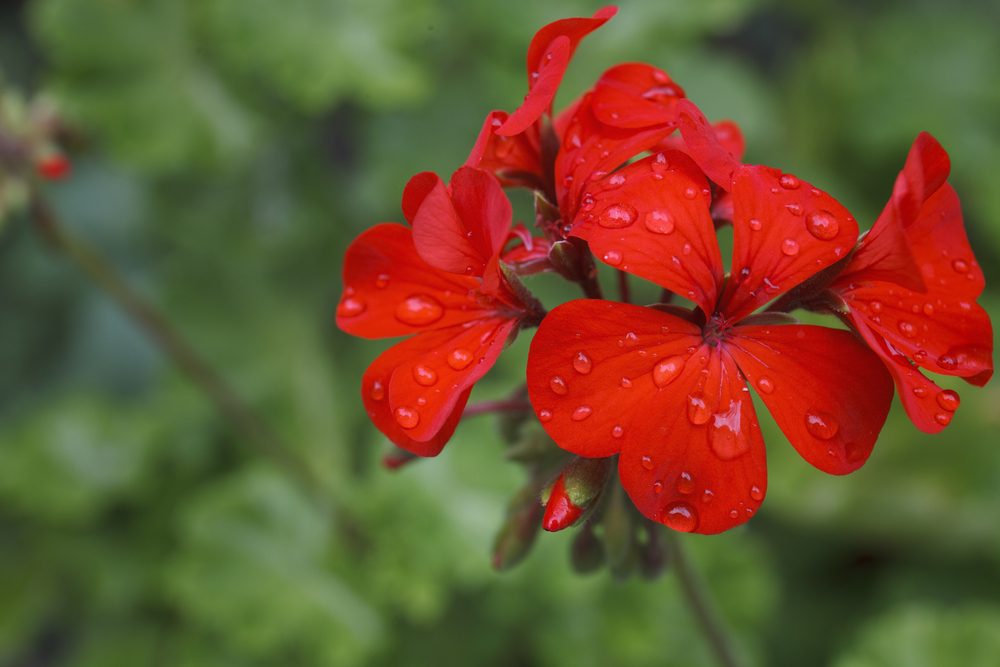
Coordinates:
[54,167]
[397,459]
[560,512]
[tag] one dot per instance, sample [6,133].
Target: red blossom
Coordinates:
[54,167]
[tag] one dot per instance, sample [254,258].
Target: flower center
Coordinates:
[715,330]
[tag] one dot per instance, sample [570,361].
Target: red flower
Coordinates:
[442,281]
[669,394]
[910,290]
[53,167]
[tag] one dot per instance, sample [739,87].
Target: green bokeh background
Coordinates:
[233,148]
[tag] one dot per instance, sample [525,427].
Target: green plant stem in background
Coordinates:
[172,343]
[698,601]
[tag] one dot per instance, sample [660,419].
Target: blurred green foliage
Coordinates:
[230,151]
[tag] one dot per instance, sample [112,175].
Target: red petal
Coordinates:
[591,149]
[715,157]
[785,231]
[651,219]
[439,366]
[727,133]
[635,95]
[560,512]
[462,230]
[416,190]
[548,56]
[516,160]
[928,406]
[54,167]
[607,377]
[936,330]
[826,390]
[390,291]
[375,395]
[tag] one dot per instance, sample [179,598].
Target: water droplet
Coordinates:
[875,307]
[920,392]
[690,193]
[823,225]
[544,416]
[680,516]
[616,180]
[406,417]
[617,431]
[928,309]
[613,257]
[459,359]
[685,483]
[948,400]
[789,182]
[647,462]
[617,216]
[960,266]
[943,418]
[907,329]
[419,310]
[582,363]
[793,208]
[581,413]
[707,495]
[821,424]
[726,434]
[698,412]
[947,362]
[765,384]
[686,249]
[558,385]
[382,280]
[424,376]
[790,247]
[755,224]
[756,493]
[667,370]
[626,383]
[377,391]
[351,307]
[657,487]
[659,221]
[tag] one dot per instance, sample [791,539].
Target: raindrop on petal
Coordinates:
[659,221]
[351,307]
[617,431]
[667,370]
[558,385]
[960,266]
[948,399]
[424,376]
[680,516]
[419,310]
[459,359]
[406,417]
[756,493]
[377,391]
[582,363]
[821,424]
[823,225]
[613,257]
[698,412]
[790,247]
[685,483]
[581,413]
[755,224]
[765,384]
[544,415]
[647,462]
[789,182]
[617,216]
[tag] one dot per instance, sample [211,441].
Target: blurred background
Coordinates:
[227,151]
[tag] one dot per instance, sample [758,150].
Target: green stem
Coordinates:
[697,598]
[173,344]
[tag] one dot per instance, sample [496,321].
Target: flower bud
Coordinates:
[397,458]
[587,551]
[518,533]
[53,167]
[574,491]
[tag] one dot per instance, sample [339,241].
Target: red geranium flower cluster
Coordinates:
[634,175]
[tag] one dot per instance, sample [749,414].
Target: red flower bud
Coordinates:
[574,491]
[53,167]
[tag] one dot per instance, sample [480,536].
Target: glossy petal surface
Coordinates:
[651,219]
[715,156]
[785,231]
[826,390]
[515,160]
[636,95]
[390,291]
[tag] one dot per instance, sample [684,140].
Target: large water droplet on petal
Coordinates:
[581,413]
[617,216]
[790,247]
[943,418]
[419,310]
[424,375]
[822,225]
[558,385]
[582,363]
[948,399]
[544,416]
[960,266]
[690,193]
[680,516]
[613,257]
[685,483]
[667,370]
[765,384]
[726,435]
[755,224]
[698,412]
[377,391]
[459,359]
[756,493]
[617,431]
[351,307]
[821,425]
[406,417]
[659,221]
[789,182]
[616,180]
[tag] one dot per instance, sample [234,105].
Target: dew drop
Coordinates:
[659,221]
[823,225]
[793,208]
[558,385]
[928,309]
[685,483]
[544,416]
[907,329]
[947,362]
[617,431]
[419,310]
[647,462]
[821,424]
[680,516]
[377,391]
[790,247]
[617,216]
[582,363]
[616,180]
[948,400]
[351,307]
[690,193]
[943,418]
[459,359]
[756,493]
[765,384]
[626,383]
[667,370]
[581,413]
[726,433]
[613,257]
[406,417]
[875,307]
[424,376]
[707,495]
[789,182]
[755,224]
[920,392]
[698,412]
[960,266]
[733,514]
[657,487]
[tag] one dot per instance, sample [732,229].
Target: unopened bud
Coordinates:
[587,552]
[397,458]
[53,167]
[653,555]
[518,533]
[618,522]
[575,490]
